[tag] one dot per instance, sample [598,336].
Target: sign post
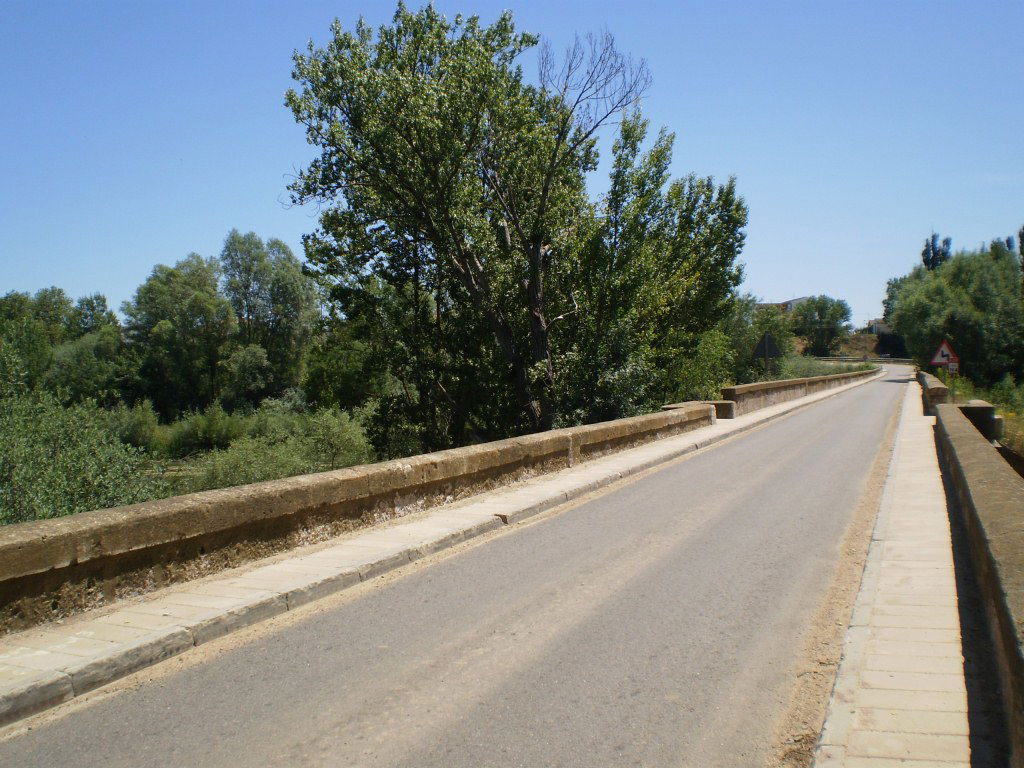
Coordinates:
[945,356]
[767,348]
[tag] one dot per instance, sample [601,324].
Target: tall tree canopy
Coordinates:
[823,322]
[457,223]
[275,302]
[181,323]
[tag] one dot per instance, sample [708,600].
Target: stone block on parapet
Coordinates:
[724,409]
[984,418]
[932,389]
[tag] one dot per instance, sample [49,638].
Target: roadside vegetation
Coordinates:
[973,298]
[462,285]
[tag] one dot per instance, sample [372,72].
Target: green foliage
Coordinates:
[973,300]
[654,273]
[823,322]
[701,375]
[247,460]
[935,254]
[91,314]
[281,444]
[490,295]
[136,425]
[745,324]
[181,324]
[343,366]
[97,365]
[27,332]
[13,378]
[201,431]
[248,376]
[333,440]
[57,460]
[276,306]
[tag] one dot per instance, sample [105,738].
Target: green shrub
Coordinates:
[1007,394]
[283,444]
[57,460]
[247,460]
[212,428]
[136,425]
[700,377]
[334,440]
[275,421]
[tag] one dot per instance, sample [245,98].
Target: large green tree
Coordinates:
[823,322]
[656,270]
[435,149]
[181,324]
[276,305]
[459,237]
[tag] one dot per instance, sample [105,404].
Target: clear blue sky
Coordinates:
[136,132]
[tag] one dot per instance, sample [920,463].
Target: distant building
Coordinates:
[879,326]
[786,306]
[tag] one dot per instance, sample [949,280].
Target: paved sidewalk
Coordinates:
[900,697]
[42,667]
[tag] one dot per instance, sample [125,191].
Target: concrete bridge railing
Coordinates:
[990,497]
[750,397]
[52,568]
[990,500]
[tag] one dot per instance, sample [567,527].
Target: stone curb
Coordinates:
[38,672]
[840,711]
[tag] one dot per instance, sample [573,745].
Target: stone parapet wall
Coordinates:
[933,391]
[991,501]
[53,568]
[761,394]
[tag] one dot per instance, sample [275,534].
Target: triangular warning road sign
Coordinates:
[945,355]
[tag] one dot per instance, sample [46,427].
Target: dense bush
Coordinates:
[136,425]
[974,300]
[199,431]
[797,367]
[700,376]
[57,460]
[289,445]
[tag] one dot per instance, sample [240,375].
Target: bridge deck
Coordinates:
[656,623]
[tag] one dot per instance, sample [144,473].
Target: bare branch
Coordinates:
[594,81]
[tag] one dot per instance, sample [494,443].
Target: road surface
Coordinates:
[657,624]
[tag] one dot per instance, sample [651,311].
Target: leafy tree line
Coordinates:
[973,298]
[233,329]
[198,388]
[462,285]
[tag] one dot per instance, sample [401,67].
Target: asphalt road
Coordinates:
[655,625]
